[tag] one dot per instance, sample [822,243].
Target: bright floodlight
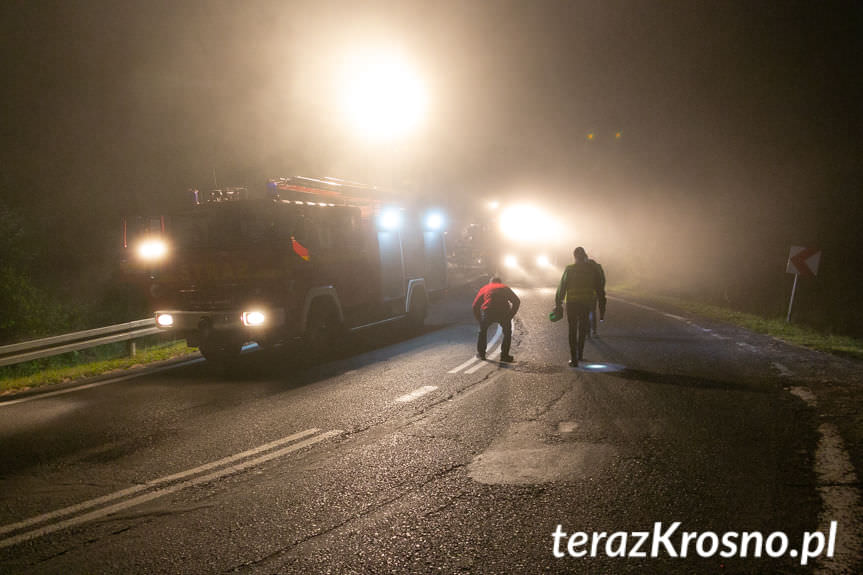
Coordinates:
[383,97]
[543,261]
[434,221]
[165,320]
[493,205]
[390,219]
[527,223]
[510,261]
[152,249]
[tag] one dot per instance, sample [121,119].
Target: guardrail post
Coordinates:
[132,348]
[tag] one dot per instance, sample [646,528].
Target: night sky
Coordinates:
[740,122]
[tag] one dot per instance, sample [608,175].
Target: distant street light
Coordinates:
[383,97]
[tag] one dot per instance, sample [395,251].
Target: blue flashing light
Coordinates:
[390,219]
[434,221]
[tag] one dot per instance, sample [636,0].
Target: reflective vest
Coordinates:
[581,281]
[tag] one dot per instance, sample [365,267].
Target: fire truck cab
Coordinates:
[311,259]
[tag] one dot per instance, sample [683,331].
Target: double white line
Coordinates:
[51,522]
[469,366]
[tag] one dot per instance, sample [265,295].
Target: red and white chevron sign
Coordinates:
[803,261]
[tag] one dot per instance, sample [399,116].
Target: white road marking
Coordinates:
[489,349]
[567,427]
[160,492]
[464,365]
[642,306]
[416,394]
[677,317]
[805,394]
[840,498]
[100,383]
[746,346]
[477,367]
[783,371]
[144,371]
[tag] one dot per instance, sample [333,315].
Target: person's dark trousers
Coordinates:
[578,316]
[482,337]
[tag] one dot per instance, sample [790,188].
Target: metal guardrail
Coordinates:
[59,344]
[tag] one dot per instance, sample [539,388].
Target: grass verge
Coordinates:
[70,367]
[776,327]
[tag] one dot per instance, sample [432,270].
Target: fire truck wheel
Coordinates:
[322,330]
[223,351]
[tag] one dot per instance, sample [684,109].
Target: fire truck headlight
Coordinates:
[164,320]
[390,219]
[152,250]
[254,318]
[434,221]
[543,261]
[510,261]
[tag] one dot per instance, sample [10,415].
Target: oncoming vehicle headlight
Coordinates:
[152,249]
[543,261]
[510,261]
[528,224]
[254,318]
[164,320]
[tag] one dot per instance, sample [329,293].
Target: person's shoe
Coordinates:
[480,356]
[573,363]
[507,358]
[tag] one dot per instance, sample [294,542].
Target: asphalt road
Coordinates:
[401,455]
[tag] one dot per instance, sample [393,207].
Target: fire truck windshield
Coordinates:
[227,228]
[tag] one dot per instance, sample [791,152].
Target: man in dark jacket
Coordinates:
[495,303]
[600,299]
[581,286]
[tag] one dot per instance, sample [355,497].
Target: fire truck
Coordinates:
[311,259]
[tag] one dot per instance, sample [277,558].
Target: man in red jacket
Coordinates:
[495,303]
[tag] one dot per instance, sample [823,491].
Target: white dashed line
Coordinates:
[477,367]
[490,349]
[416,394]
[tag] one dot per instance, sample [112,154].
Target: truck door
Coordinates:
[435,258]
[392,264]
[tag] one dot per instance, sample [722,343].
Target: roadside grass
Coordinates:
[88,363]
[776,327]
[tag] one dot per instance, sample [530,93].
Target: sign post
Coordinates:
[801,262]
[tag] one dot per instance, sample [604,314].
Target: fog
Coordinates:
[686,144]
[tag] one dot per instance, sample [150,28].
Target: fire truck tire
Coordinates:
[418,309]
[220,351]
[322,329]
